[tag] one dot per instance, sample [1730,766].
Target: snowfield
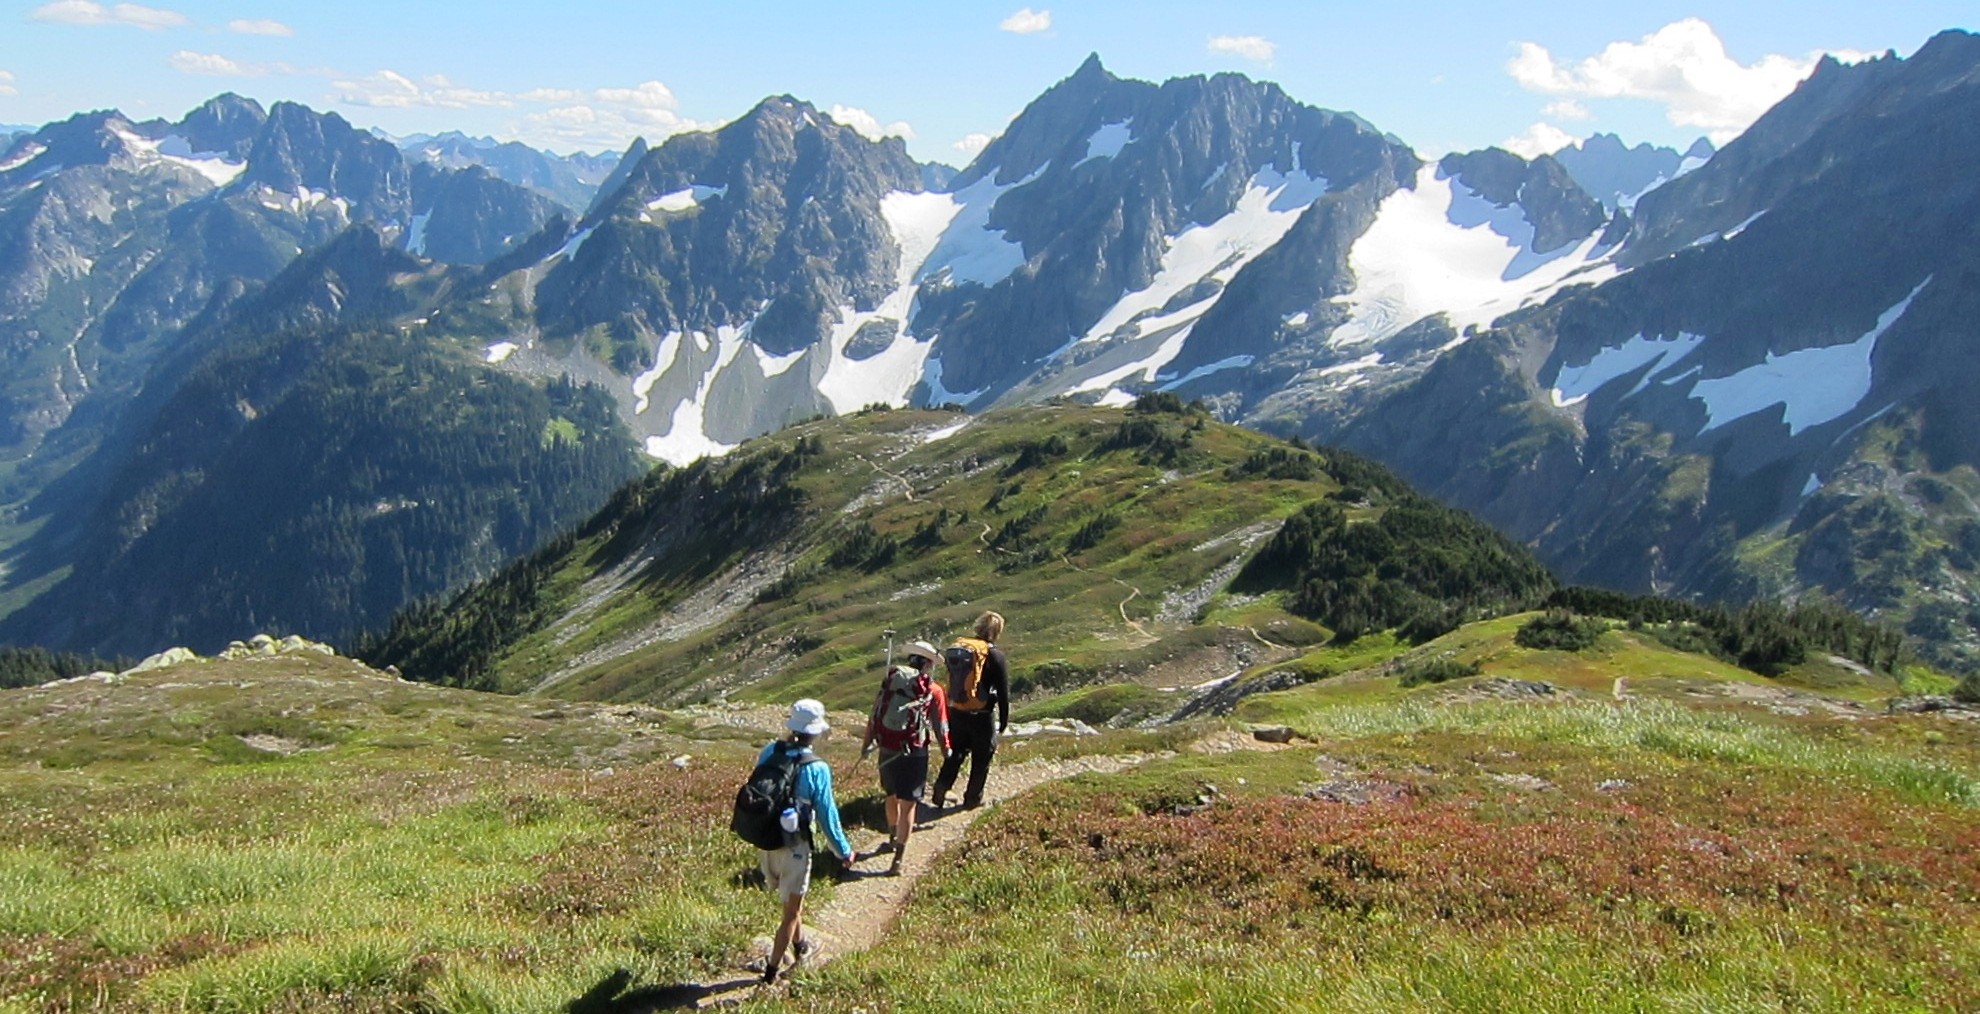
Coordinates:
[1440,248]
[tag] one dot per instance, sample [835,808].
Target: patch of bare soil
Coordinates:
[1783,701]
[715,602]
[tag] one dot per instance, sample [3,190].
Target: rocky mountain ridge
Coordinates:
[1563,360]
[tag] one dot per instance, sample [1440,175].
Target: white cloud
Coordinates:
[7,84]
[599,118]
[259,26]
[649,95]
[1256,48]
[1027,22]
[185,61]
[389,89]
[868,124]
[972,144]
[1539,139]
[1683,66]
[88,12]
[1567,109]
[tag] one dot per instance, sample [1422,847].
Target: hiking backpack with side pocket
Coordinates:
[904,721]
[770,790]
[965,659]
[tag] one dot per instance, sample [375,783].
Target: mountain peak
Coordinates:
[224,123]
[1091,68]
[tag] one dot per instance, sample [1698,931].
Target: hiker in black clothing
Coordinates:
[979,679]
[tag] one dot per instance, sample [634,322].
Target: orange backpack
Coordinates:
[965,659]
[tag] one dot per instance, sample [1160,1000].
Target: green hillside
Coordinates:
[300,833]
[1107,538]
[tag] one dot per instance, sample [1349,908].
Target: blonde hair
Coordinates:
[990,626]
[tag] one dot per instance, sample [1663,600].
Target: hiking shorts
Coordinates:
[904,775]
[787,870]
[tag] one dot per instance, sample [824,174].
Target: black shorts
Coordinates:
[904,775]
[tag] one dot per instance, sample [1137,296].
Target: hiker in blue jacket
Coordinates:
[787,870]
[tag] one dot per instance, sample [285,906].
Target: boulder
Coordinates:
[164,660]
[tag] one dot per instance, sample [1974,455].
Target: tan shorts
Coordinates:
[787,870]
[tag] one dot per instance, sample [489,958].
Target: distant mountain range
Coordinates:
[570,180]
[1733,373]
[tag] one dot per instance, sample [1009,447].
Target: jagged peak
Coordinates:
[228,102]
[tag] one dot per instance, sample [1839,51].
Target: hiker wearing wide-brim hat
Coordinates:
[910,715]
[787,870]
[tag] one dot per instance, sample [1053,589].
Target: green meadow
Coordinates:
[299,834]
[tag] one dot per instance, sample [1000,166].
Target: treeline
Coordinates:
[317,481]
[1765,637]
[693,521]
[33,666]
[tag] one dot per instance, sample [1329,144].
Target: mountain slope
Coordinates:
[1768,406]
[1106,537]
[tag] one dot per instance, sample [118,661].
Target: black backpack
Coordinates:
[770,790]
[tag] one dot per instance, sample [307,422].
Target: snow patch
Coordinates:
[1434,250]
[1367,362]
[938,394]
[682,200]
[969,250]
[1232,363]
[28,153]
[1814,483]
[1108,141]
[663,357]
[1115,398]
[945,432]
[1814,386]
[919,224]
[1271,203]
[687,437]
[570,247]
[499,351]
[1741,227]
[174,149]
[1574,384]
[1297,319]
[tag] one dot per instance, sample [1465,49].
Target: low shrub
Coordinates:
[1560,630]
[1441,670]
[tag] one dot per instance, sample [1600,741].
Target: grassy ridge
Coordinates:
[1501,857]
[1106,538]
[298,834]
[381,846]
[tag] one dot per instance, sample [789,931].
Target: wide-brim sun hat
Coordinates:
[807,718]
[924,650]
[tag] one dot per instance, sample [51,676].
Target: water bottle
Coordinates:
[789,820]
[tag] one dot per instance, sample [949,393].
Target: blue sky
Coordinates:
[1442,76]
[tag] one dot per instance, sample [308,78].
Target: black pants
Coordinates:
[972,737]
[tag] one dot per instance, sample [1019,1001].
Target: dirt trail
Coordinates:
[862,908]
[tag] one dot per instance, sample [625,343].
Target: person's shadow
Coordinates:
[610,995]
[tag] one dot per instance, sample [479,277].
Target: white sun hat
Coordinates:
[808,718]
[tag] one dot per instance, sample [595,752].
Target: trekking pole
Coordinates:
[890,646]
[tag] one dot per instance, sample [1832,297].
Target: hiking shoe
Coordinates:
[803,951]
[770,976]
[883,848]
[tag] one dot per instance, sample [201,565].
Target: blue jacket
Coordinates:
[814,788]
